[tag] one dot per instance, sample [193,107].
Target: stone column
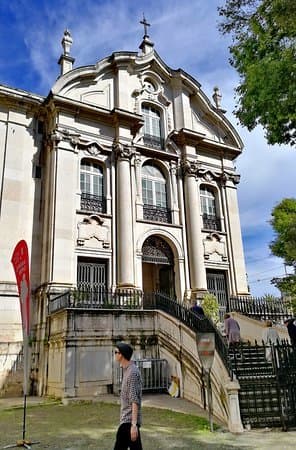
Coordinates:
[234,238]
[198,280]
[124,217]
[234,418]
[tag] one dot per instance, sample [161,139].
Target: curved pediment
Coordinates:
[125,80]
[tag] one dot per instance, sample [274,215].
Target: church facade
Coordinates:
[122,178]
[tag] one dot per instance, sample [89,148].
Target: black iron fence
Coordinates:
[96,299]
[267,378]
[275,309]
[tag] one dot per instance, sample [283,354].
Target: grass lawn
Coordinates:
[87,425]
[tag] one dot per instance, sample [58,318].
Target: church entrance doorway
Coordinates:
[158,266]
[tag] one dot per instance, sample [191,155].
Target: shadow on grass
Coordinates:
[85,425]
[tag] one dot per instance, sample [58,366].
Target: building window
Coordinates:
[154,194]
[92,187]
[152,127]
[208,208]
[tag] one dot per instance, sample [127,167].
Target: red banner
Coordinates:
[20,262]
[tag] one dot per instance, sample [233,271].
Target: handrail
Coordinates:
[197,323]
[96,299]
[260,308]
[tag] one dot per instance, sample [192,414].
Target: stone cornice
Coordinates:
[184,136]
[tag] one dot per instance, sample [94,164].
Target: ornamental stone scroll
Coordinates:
[190,168]
[227,177]
[123,151]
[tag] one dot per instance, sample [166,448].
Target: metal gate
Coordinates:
[92,277]
[154,374]
[216,283]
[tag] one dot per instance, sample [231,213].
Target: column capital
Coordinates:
[123,151]
[190,168]
[228,176]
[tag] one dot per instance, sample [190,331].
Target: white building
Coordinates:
[123,177]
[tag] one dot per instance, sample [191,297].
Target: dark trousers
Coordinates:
[123,438]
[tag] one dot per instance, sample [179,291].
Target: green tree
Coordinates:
[263,52]
[284,245]
[284,225]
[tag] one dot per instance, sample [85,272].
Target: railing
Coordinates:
[260,308]
[153,141]
[267,378]
[199,324]
[94,203]
[157,214]
[96,299]
[211,222]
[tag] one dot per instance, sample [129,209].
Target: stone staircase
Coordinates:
[260,395]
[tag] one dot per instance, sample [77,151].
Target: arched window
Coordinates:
[208,208]
[92,186]
[152,127]
[154,194]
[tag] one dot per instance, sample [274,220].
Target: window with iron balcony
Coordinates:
[152,127]
[208,208]
[92,187]
[154,194]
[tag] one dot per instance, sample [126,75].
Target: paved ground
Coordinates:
[254,439]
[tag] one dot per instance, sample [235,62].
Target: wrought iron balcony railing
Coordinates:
[96,299]
[94,203]
[211,222]
[157,214]
[153,141]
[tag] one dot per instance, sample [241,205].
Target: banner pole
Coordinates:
[24,417]
[20,262]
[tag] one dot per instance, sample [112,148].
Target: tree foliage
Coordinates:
[284,225]
[263,52]
[284,245]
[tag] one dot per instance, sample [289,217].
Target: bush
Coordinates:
[211,307]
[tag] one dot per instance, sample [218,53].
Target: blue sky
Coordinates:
[185,36]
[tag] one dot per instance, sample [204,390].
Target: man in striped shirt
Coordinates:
[128,433]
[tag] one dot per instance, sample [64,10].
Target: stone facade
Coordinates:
[122,177]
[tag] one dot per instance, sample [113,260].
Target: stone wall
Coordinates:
[81,354]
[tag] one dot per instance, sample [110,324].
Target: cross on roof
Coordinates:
[146,25]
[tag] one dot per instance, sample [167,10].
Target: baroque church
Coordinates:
[122,182]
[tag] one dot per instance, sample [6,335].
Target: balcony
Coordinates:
[153,141]
[93,203]
[211,222]
[157,214]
